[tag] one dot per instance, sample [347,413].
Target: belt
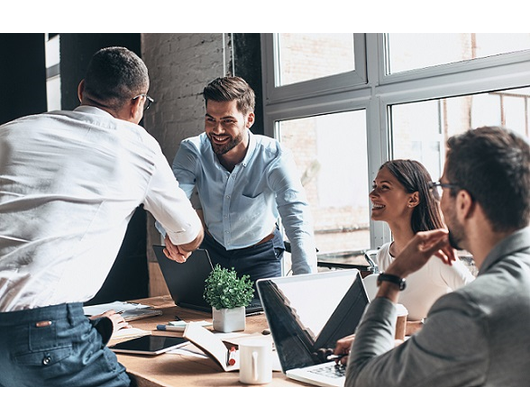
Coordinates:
[265,239]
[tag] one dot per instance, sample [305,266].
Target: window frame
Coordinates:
[372,89]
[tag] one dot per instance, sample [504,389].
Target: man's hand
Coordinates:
[175,252]
[117,320]
[418,251]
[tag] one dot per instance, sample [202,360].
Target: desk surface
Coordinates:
[186,370]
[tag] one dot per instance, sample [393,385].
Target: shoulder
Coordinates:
[196,144]
[269,147]
[454,275]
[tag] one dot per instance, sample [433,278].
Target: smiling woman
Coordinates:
[401,197]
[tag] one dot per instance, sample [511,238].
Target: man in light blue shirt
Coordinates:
[244,182]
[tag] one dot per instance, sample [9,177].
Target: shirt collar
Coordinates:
[251,148]
[94,110]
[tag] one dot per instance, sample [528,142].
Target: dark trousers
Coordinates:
[57,346]
[257,261]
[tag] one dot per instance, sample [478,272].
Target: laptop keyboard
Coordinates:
[337,370]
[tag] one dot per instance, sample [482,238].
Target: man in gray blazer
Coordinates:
[477,335]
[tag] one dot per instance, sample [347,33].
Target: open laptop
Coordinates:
[186,281]
[307,314]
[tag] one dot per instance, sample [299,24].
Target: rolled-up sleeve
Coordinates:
[295,213]
[170,206]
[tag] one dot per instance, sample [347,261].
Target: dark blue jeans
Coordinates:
[258,261]
[57,346]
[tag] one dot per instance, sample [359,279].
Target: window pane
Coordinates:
[416,51]
[305,57]
[333,164]
[420,130]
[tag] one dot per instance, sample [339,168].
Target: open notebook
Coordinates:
[307,314]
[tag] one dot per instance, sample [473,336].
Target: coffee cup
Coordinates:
[255,361]
[401,324]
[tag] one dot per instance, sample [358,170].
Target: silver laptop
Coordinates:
[186,281]
[307,314]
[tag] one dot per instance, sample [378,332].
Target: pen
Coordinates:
[231,361]
[162,327]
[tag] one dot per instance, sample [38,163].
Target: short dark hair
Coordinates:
[115,75]
[493,165]
[230,88]
[415,177]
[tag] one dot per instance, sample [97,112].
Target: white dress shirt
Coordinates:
[69,184]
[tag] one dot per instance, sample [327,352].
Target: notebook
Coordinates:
[186,281]
[307,314]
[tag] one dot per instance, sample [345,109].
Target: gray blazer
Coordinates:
[477,335]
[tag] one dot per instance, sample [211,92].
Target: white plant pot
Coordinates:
[228,320]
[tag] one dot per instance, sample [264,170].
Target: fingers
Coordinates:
[174,252]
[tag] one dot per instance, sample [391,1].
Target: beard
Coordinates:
[221,149]
[454,241]
[457,235]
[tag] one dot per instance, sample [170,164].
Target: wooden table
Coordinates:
[181,370]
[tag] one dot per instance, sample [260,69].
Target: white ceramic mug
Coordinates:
[255,361]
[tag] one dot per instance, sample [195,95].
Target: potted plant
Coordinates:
[228,295]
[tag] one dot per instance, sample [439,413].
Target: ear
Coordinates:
[136,110]
[414,199]
[250,119]
[465,205]
[81,90]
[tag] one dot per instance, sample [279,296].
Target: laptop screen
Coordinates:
[309,312]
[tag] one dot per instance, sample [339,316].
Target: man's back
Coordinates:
[69,182]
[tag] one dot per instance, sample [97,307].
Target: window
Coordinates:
[410,51]
[304,57]
[323,151]
[404,95]
[420,129]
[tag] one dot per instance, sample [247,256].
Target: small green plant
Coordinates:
[225,290]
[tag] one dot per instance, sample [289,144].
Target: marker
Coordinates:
[231,361]
[336,356]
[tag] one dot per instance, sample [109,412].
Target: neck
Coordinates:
[402,234]
[481,242]
[230,159]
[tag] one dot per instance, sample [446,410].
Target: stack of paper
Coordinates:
[129,311]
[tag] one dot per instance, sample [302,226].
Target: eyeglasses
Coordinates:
[437,187]
[148,100]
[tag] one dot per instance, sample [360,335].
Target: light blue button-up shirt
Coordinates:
[241,207]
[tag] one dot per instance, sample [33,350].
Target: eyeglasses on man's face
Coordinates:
[437,187]
[148,100]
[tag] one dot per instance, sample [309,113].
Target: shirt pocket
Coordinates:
[251,208]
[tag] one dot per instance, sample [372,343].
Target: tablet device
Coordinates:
[149,344]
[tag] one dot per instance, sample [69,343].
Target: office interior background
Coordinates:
[343,103]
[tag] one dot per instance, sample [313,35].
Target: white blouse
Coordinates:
[427,284]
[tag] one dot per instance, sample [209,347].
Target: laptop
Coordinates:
[307,314]
[186,281]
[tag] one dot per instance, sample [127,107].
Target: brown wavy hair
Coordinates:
[415,177]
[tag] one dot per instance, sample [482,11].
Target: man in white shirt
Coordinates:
[69,184]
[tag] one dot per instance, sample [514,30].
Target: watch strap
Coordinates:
[391,278]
